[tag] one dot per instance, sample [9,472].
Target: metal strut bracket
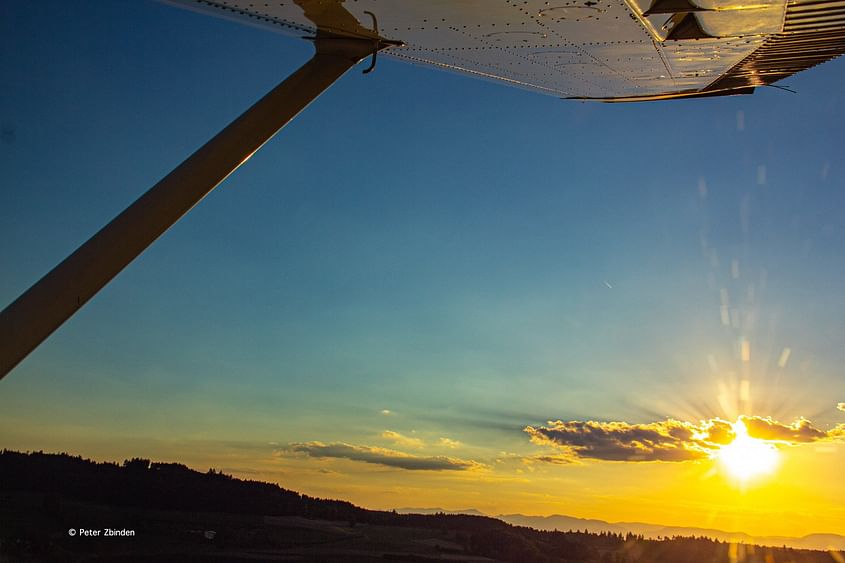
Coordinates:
[376,47]
[33,316]
[375,40]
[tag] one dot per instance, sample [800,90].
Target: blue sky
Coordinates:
[471,257]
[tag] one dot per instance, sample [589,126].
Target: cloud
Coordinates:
[449,443]
[800,431]
[717,431]
[841,406]
[382,456]
[402,440]
[667,440]
[556,459]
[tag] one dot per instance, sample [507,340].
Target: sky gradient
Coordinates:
[393,296]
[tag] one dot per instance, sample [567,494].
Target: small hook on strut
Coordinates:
[376,43]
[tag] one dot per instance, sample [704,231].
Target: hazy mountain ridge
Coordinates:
[818,541]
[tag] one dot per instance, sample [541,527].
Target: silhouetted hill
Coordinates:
[407,510]
[57,507]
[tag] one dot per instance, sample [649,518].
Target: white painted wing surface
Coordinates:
[614,50]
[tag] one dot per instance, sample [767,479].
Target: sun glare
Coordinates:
[746,457]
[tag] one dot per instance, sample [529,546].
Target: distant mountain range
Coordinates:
[564,523]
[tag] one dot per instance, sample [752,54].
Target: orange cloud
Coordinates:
[402,440]
[800,431]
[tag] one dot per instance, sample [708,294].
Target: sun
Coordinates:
[745,457]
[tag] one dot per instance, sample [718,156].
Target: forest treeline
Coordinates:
[142,484]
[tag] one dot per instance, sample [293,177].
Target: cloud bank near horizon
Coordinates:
[668,440]
[381,456]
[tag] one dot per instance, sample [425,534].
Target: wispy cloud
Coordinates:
[402,440]
[406,441]
[556,459]
[381,456]
[667,440]
[449,443]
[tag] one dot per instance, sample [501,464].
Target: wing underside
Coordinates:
[611,50]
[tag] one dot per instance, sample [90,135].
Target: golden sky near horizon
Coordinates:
[668,472]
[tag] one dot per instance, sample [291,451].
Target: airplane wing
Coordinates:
[610,50]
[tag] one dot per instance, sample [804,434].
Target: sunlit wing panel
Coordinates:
[615,50]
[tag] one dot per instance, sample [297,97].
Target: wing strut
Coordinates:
[64,290]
